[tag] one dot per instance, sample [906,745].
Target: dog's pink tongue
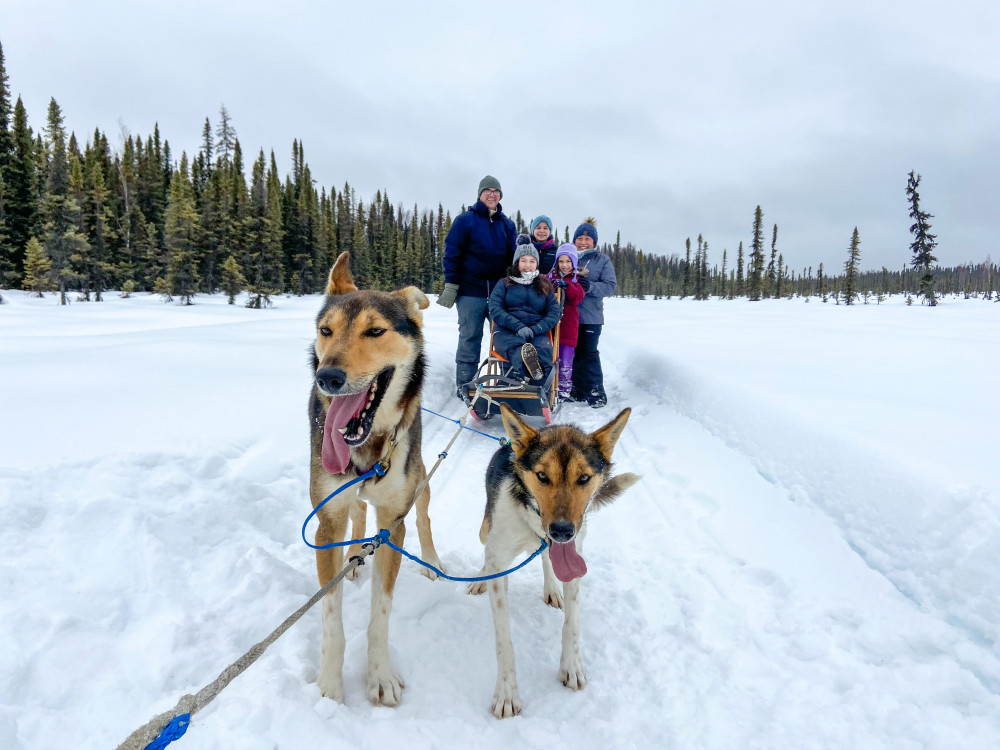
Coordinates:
[336,452]
[566,563]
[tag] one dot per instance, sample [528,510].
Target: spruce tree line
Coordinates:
[132,217]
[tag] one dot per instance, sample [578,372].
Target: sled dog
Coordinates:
[368,367]
[542,486]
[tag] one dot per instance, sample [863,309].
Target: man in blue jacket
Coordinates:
[477,253]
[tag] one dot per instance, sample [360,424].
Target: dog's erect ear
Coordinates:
[520,433]
[608,435]
[612,489]
[414,298]
[340,281]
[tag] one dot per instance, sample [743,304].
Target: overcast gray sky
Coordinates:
[662,120]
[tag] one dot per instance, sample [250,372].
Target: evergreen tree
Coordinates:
[770,286]
[129,265]
[180,237]
[207,149]
[150,254]
[41,153]
[213,228]
[226,134]
[687,268]
[20,193]
[360,250]
[233,281]
[304,228]
[923,241]
[756,276]
[425,252]
[264,235]
[97,229]
[6,135]
[64,243]
[7,275]
[238,206]
[326,240]
[7,263]
[414,254]
[37,268]
[740,282]
[850,286]
[150,192]
[703,283]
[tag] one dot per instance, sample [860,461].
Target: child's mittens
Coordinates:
[584,282]
[525,333]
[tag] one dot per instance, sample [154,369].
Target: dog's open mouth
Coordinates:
[567,563]
[349,422]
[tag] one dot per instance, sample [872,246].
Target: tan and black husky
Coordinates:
[542,486]
[368,366]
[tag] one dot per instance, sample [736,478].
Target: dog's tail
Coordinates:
[484,530]
[613,488]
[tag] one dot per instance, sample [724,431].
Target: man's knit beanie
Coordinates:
[489,181]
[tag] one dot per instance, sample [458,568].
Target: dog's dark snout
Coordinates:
[331,379]
[561,531]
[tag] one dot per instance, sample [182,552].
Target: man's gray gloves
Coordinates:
[526,333]
[448,296]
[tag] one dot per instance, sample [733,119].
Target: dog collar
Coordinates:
[381,466]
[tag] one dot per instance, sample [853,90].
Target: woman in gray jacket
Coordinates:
[599,282]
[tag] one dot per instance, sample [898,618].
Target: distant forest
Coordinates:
[132,217]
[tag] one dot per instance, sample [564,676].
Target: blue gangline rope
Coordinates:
[501,440]
[378,469]
[383,535]
[400,550]
[172,731]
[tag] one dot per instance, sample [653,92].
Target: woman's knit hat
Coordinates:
[587,229]
[540,219]
[568,250]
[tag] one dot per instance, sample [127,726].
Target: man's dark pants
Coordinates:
[473,312]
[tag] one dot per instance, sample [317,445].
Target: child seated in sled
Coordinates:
[524,309]
[564,275]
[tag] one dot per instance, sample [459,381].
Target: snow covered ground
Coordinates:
[811,560]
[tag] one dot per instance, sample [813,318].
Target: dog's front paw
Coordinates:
[478,587]
[385,688]
[430,573]
[571,674]
[552,597]
[331,687]
[506,701]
